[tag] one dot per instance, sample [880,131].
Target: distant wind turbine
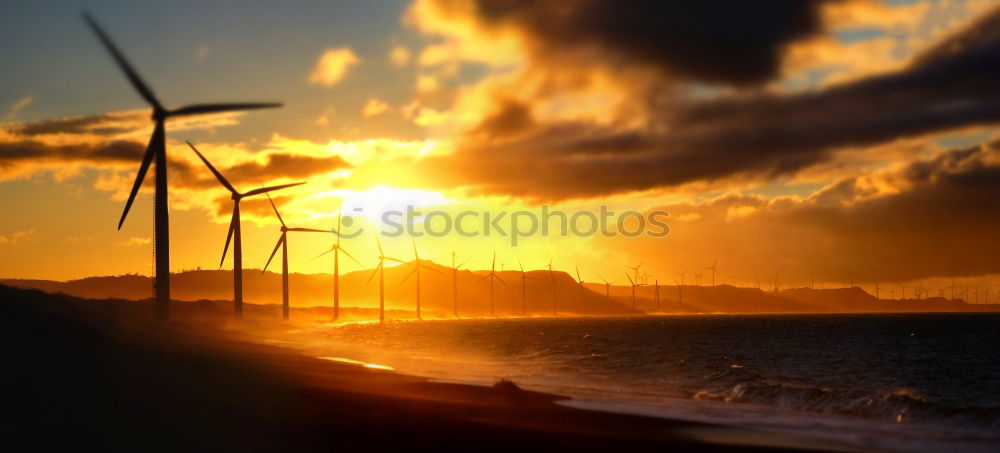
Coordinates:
[283,243]
[607,287]
[454,282]
[714,268]
[680,289]
[657,294]
[417,265]
[157,149]
[634,284]
[580,281]
[234,229]
[524,291]
[552,283]
[336,249]
[635,271]
[493,276]
[380,270]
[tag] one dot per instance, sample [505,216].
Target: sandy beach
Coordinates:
[96,373]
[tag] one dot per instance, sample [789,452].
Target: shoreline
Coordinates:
[90,373]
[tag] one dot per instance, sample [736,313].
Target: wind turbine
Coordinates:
[876,290]
[157,149]
[635,270]
[380,270]
[234,229]
[336,249]
[657,295]
[634,284]
[903,295]
[417,265]
[680,289]
[552,283]
[607,287]
[493,276]
[524,294]
[283,243]
[454,282]
[714,269]
[579,280]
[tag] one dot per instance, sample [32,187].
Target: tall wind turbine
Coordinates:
[493,276]
[380,270]
[580,281]
[157,149]
[283,243]
[417,265]
[714,269]
[234,229]
[454,282]
[336,249]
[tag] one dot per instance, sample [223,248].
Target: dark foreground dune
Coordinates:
[87,373]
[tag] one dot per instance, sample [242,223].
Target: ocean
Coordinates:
[896,382]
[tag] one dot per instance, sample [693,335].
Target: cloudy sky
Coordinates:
[839,140]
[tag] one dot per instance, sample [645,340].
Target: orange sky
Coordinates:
[850,142]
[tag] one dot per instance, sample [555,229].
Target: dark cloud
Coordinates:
[941,223]
[49,143]
[718,41]
[100,124]
[765,136]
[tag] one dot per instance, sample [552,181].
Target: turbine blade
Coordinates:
[415,253]
[272,188]
[578,274]
[463,264]
[349,255]
[123,64]
[229,237]
[280,240]
[321,254]
[630,279]
[308,230]
[222,179]
[143,167]
[213,108]
[520,265]
[379,243]
[374,272]
[275,210]
[494,266]
[413,271]
[501,281]
[394,259]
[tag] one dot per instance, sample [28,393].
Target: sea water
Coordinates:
[905,382]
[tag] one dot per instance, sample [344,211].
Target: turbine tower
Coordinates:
[283,243]
[454,282]
[524,291]
[552,283]
[157,150]
[234,229]
[336,249]
[380,270]
[417,265]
